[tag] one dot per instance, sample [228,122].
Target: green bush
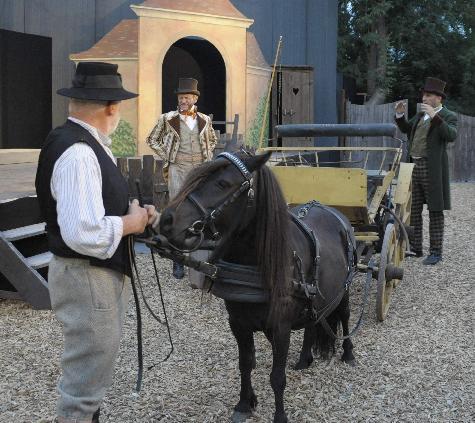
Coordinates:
[254,132]
[123,140]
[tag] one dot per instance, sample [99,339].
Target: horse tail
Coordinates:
[272,223]
[324,341]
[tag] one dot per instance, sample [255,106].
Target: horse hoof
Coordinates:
[303,364]
[240,417]
[351,363]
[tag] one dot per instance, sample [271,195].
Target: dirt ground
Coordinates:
[416,366]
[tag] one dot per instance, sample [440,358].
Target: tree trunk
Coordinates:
[377,63]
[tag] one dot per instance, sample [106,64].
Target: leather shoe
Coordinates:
[95,417]
[432,259]
[178,270]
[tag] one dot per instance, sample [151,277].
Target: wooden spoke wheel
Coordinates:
[389,272]
[403,200]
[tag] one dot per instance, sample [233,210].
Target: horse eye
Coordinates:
[223,184]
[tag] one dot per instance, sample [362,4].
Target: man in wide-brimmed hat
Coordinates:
[84,201]
[429,131]
[183,139]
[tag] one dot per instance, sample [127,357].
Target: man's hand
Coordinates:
[153,216]
[135,220]
[426,108]
[400,107]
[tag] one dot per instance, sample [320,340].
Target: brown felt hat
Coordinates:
[187,86]
[434,86]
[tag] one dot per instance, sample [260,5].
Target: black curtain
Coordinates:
[25,89]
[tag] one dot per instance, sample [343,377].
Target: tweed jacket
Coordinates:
[165,137]
[443,129]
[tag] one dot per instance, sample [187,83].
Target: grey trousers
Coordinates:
[420,193]
[90,304]
[176,176]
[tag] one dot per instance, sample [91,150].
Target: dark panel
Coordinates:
[109,13]
[321,54]
[289,20]
[261,12]
[25,88]
[12,15]
[71,24]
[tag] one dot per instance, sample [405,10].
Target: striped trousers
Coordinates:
[420,191]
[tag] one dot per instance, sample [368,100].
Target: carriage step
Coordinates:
[40,260]
[24,232]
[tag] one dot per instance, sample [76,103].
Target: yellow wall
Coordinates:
[157,35]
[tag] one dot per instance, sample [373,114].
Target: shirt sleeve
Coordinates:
[76,185]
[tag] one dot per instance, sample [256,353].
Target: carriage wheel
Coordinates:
[403,204]
[389,272]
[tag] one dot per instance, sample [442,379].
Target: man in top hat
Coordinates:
[429,131]
[84,201]
[183,139]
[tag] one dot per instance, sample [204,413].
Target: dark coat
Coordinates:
[443,129]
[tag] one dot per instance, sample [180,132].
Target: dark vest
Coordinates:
[114,193]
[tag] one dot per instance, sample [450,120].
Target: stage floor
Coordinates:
[17,180]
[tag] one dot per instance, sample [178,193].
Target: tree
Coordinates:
[390,46]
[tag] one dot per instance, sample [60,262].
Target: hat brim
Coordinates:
[99,94]
[443,95]
[195,92]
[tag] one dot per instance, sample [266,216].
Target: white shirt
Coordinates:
[189,120]
[76,185]
[426,116]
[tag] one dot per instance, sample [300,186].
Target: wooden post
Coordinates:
[148,169]
[135,172]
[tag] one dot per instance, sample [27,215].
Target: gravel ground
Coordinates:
[417,366]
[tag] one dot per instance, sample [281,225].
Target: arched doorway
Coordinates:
[194,57]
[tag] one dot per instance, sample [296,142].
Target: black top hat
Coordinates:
[434,86]
[187,86]
[97,81]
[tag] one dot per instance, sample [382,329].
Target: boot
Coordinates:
[95,416]
[178,270]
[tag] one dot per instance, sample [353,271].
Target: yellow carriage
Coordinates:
[369,184]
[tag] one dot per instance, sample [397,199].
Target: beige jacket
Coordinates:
[165,137]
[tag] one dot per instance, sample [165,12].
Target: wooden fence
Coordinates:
[148,171]
[461,153]
[383,113]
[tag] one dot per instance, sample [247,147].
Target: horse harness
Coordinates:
[241,283]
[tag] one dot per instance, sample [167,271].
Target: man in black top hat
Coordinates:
[84,201]
[183,139]
[429,132]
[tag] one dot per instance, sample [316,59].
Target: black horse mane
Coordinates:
[271,229]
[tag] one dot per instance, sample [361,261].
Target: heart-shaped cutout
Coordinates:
[295,90]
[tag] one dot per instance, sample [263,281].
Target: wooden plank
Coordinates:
[160,186]
[403,183]
[24,232]
[321,184]
[19,212]
[40,260]
[135,173]
[31,286]
[148,169]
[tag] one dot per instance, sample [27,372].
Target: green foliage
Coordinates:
[416,38]
[254,132]
[123,140]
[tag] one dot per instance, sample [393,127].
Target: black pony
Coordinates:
[242,202]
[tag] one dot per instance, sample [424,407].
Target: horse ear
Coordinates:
[256,162]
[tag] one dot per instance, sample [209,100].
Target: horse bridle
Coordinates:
[209,217]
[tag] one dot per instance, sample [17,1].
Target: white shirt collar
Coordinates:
[103,139]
